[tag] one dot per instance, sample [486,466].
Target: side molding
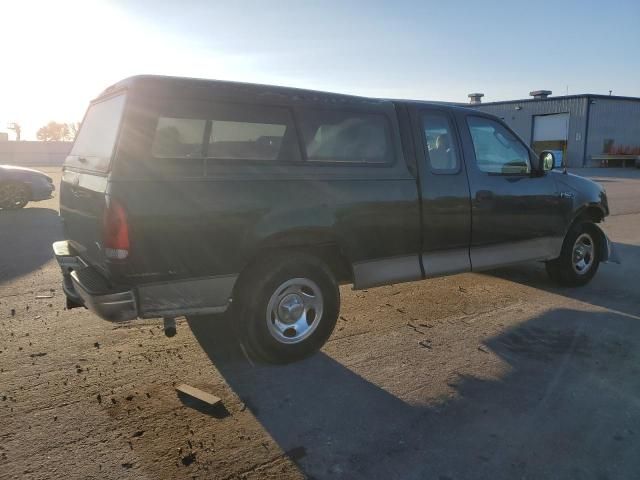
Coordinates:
[448,262]
[188,297]
[492,256]
[374,273]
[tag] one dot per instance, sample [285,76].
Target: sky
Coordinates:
[57,56]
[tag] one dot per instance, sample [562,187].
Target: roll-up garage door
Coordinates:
[550,132]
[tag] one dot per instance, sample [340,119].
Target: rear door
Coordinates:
[84,178]
[445,204]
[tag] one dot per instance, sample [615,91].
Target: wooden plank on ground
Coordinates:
[197,393]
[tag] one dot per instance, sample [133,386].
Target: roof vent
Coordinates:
[475,98]
[540,94]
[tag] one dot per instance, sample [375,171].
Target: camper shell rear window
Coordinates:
[96,141]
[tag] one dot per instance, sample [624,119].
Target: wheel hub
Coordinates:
[583,251]
[294,310]
[290,308]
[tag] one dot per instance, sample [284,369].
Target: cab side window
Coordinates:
[439,140]
[497,150]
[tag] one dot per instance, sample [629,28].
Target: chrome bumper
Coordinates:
[84,285]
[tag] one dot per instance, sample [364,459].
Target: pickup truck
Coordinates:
[187,197]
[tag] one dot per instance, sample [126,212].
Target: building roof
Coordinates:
[562,97]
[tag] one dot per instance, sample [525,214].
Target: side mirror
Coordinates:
[547,160]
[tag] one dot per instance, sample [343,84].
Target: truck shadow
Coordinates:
[614,286]
[599,173]
[568,404]
[26,237]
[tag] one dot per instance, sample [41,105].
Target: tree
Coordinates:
[15,126]
[54,132]
[74,128]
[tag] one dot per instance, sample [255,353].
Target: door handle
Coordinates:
[78,193]
[484,195]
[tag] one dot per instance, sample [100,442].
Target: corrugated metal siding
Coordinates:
[521,121]
[618,120]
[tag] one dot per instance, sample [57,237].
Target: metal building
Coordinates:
[580,128]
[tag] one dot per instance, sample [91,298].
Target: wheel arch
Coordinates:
[23,184]
[321,245]
[593,214]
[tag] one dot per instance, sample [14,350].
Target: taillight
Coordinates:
[115,231]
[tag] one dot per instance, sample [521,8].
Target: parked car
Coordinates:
[20,185]
[186,197]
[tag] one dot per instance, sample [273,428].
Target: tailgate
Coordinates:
[85,176]
[82,202]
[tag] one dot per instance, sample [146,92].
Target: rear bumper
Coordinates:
[115,306]
[84,285]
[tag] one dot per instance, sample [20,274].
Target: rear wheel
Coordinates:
[13,196]
[287,308]
[580,257]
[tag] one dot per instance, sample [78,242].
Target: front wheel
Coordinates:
[13,196]
[580,257]
[287,308]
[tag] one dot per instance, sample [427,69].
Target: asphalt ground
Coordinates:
[499,375]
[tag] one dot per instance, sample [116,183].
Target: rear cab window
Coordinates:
[440,143]
[96,141]
[342,136]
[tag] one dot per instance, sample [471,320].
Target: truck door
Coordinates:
[517,214]
[445,203]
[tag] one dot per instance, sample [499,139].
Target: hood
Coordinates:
[14,168]
[22,173]
[578,183]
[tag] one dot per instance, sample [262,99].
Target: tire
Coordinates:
[13,196]
[580,257]
[287,308]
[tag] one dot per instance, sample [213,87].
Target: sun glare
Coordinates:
[63,55]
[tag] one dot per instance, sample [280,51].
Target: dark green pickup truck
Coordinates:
[186,196]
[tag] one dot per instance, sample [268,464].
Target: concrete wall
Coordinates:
[521,120]
[34,153]
[614,119]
